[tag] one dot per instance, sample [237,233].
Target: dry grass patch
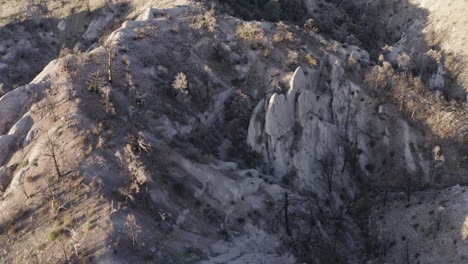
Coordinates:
[252,32]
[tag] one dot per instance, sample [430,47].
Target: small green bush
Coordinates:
[310,59]
[93,88]
[22,164]
[54,234]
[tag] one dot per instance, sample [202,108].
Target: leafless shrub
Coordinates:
[310,27]
[333,47]
[53,149]
[328,164]
[175,27]
[22,187]
[133,227]
[435,55]
[74,240]
[379,78]
[108,105]
[206,20]
[292,59]
[55,205]
[180,83]
[283,32]
[110,58]
[251,31]
[403,61]
[138,144]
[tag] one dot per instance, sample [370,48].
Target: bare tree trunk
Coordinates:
[5,226]
[56,165]
[50,106]
[438,220]
[408,190]
[385,197]
[52,146]
[407,253]
[354,157]
[286,216]
[110,57]
[65,253]
[335,237]
[22,187]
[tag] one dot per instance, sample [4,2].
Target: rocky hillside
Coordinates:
[232,132]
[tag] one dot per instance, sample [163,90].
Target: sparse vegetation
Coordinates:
[180,83]
[207,20]
[133,227]
[310,27]
[54,234]
[310,60]
[284,33]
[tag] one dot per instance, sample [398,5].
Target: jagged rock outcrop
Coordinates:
[294,131]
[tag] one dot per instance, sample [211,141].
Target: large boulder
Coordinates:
[5,178]
[7,146]
[12,106]
[22,127]
[278,120]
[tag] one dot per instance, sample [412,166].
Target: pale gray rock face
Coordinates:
[148,14]
[7,146]
[278,119]
[12,106]
[4,178]
[293,132]
[298,128]
[21,128]
[279,124]
[96,26]
[256,128]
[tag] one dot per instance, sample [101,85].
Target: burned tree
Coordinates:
[22,187]
[286,214]
[328,163]
[283,208]
[110,59]
[133,227]
[53,152]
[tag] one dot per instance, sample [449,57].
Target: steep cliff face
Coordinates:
[327,115]
[187,135]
